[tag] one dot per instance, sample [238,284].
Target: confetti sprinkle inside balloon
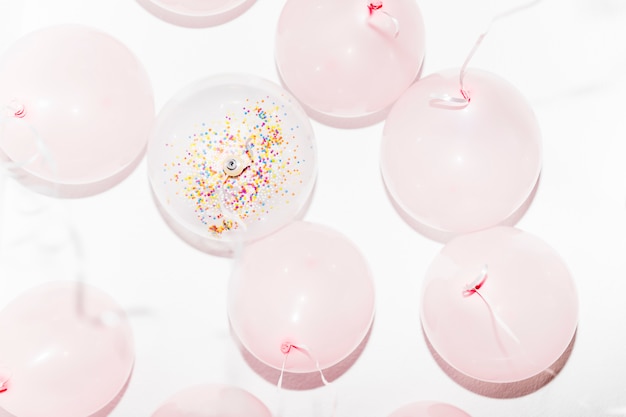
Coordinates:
[232,156]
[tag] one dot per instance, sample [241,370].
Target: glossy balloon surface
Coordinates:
[196,13]
[428,409]
[341,59]
[85,108]
[461,168]
[212,400]
[522,316]
[305,286]
[68,349]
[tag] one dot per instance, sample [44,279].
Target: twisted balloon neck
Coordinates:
[16,109]
[378,5]
[5,376]
[375,5]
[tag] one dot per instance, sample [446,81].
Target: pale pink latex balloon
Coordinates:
[212,400]
[240,119]
[343,60]
[84,109]
[499,305]
[428,409]
[66,356]
[196,13]
[305,286]
[461,168]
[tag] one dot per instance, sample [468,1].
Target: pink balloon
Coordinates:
[196,13]
[305,291]
[499,305]
[67,348]
[79,108]
[461,168]
[343,58]
[428,409]
[237,119]
[212,400]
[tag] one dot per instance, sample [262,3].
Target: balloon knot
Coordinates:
[17,109]
[375,5]
[474,286]
[286,348]
[5,375]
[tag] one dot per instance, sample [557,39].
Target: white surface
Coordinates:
[567,57]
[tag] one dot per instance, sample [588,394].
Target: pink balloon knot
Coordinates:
[465,95]
[286,348]
[375,5]
[4,379]
[17,109]
[476,284]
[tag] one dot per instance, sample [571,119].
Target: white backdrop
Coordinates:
[567,57]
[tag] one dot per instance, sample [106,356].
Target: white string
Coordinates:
[475,288]
[376,6]
[286,349]
[465,96]
[15,112]
[481,37]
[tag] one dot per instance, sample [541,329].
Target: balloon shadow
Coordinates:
[108,408]
[301,381]
[443,236]
[505,390]
[213,247]
[195,21]
[52,189]
[345,122]
[103,412]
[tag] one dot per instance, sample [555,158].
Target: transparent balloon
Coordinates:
[212,400]
[77,109]
[305,291]
[349,59]
[458,166]
[499,305]
[232,158]
[66,349]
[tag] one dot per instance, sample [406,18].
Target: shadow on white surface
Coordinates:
[49,188]
[191,20]
[503,390]
[108,409]
[442,236]
[344,122]
[103,412]
[300,381]
[214,247]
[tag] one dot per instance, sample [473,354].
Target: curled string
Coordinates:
[228,213]
[376,6]
[223,193]
[474,288]
[465,96]
[286,349]
[15,113]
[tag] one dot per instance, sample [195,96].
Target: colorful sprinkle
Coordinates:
[222,202]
